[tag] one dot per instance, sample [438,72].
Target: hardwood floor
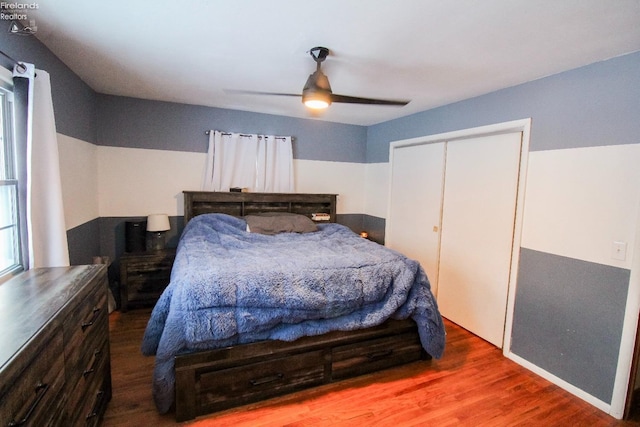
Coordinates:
[472,385]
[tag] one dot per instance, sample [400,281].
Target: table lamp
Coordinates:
[157,226]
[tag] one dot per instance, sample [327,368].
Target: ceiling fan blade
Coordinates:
[357,100]
[253,92]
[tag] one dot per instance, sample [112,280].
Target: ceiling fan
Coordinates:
[317,92]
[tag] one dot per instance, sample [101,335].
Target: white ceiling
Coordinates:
[432,52]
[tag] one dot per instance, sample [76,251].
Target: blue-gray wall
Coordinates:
[74,102]
[586,107]
[137,123]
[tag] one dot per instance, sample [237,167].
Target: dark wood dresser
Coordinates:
[143,277]
[54,347]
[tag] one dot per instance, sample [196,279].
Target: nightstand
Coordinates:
[143,277]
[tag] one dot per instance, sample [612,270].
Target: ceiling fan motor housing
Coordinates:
[317,87]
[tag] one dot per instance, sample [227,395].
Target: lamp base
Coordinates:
[155,241]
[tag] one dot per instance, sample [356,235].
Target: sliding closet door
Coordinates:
[413,221]
[478,215]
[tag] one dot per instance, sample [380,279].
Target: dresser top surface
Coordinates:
[29,301]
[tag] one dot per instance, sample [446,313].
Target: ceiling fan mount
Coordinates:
[317,93]
[319,54]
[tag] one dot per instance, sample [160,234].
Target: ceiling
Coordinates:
[432,52]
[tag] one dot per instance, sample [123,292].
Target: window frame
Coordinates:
[9,176]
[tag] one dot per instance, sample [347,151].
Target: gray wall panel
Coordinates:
[138,123]
[84,242]
[590,106]
[568,319]
[375,227]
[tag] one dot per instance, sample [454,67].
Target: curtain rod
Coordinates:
[21,68]
[247,136]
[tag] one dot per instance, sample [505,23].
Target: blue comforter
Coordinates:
[229,286]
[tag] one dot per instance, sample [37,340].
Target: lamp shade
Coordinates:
[158,222]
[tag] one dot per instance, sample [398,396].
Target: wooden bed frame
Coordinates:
[241,204]
[210,381]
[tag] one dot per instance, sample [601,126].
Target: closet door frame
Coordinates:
[523,126]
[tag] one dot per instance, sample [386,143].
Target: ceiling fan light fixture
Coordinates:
[316,104]
[317,101]
[317,91]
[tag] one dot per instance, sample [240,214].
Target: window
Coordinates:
[10,247]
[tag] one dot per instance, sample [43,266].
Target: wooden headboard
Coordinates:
[240,204]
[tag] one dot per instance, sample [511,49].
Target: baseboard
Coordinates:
[603,406]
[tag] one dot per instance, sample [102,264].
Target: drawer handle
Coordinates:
[266,380]
[379,355]
[92,369]
[94,412]
[96,313]
[41,390]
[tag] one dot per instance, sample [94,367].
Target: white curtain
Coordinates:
[260,163]
[46,227]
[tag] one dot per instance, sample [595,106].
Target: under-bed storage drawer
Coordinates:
[214,380]
[361,358]
[249,383]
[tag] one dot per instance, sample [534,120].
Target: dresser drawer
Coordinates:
[361,358]
[36,397]
[244,384]
[98,401]
[91,392]
[85,331]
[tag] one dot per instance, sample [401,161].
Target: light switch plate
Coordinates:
[619,251]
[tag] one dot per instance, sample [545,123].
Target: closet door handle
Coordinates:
[40,389]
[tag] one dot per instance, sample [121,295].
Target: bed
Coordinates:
[269,295]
